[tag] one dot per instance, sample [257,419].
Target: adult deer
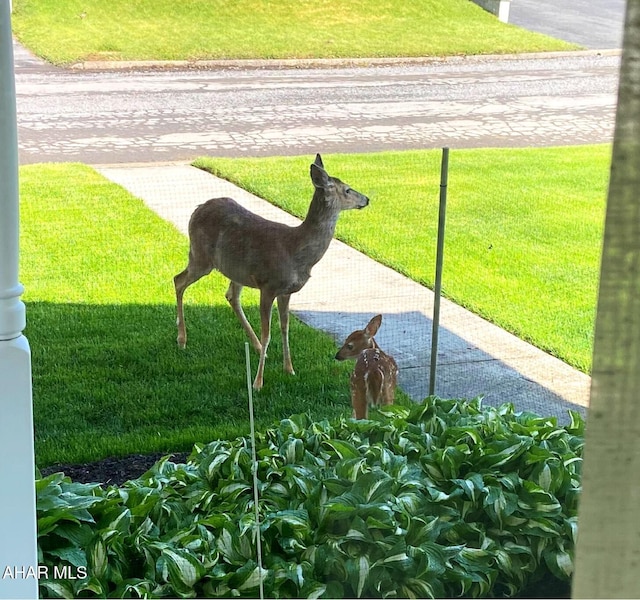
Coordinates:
[374,379]
[255,252]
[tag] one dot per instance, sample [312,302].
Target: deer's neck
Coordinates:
[317,229]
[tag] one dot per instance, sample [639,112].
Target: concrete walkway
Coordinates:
[347,288]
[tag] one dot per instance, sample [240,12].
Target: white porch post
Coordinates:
[18,549]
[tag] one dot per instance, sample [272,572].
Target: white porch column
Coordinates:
[18,549]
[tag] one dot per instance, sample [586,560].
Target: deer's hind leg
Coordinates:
[266,305]
[283,311]
[233,297]
[181,282]
[391,381]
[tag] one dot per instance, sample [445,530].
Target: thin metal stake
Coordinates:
[255,469]
[444,174]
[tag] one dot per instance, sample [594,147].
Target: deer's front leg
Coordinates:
[283,311]
[233,297]
[266,304]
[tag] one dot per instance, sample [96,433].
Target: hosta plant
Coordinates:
[441,499]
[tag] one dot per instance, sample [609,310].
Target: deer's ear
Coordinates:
[319,176]
[318,161]
[373,325]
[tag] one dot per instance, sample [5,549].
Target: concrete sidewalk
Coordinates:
[347,288]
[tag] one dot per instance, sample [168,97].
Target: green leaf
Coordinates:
[453,500]
[97,558]
[358,573]
[560,563]
[576,426]
[541,527]
[292,450]
[410,502]
[234,490]
[544,478]
[499,503]
[400,559]
[253,578]
[472,485]
[74,555]
[90,584]
[184,569]
[317,590]
[374,486]
[497,455]
[342,449]
[58,589]
[417,588]
[351,468]
[235,548]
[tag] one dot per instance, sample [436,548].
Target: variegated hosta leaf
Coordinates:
[342,449]
[234,547]
[499,503]
[418,588]
[358,573]
[57,588]
[250,579]
[499,454]
[410,502]
[292,450]
[374,486]
[472,485]
[351,468]
[98,560]
[439,499]
[559,561]
[182,569]
[535,501]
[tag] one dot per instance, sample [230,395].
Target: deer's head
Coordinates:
[336,193]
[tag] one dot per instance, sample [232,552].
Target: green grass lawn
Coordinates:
[524,228]
[524,231]
[67,31]
[108,376]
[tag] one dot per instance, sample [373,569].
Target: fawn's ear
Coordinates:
[373,326]
[318,161]
[319,176]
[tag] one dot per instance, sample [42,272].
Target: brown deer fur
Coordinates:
[255,252]
[374,378]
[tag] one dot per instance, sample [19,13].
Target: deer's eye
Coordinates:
[350,346]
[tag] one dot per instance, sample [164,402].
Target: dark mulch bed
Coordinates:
[113,471]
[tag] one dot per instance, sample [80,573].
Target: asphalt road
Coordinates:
[107,117]
[124,117]
[594,24]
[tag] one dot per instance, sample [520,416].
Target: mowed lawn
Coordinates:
[68,31]
[522,249]
[108,377]
[524,228]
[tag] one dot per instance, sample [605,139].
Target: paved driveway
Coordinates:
[594,24]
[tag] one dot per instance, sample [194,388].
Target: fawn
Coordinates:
[373,381]
[255,252]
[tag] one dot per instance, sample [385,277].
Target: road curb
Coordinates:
[325,63]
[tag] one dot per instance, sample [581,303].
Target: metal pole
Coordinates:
[18,545]
[254,459]
[444,174]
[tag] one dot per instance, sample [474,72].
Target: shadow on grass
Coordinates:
[109,380]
